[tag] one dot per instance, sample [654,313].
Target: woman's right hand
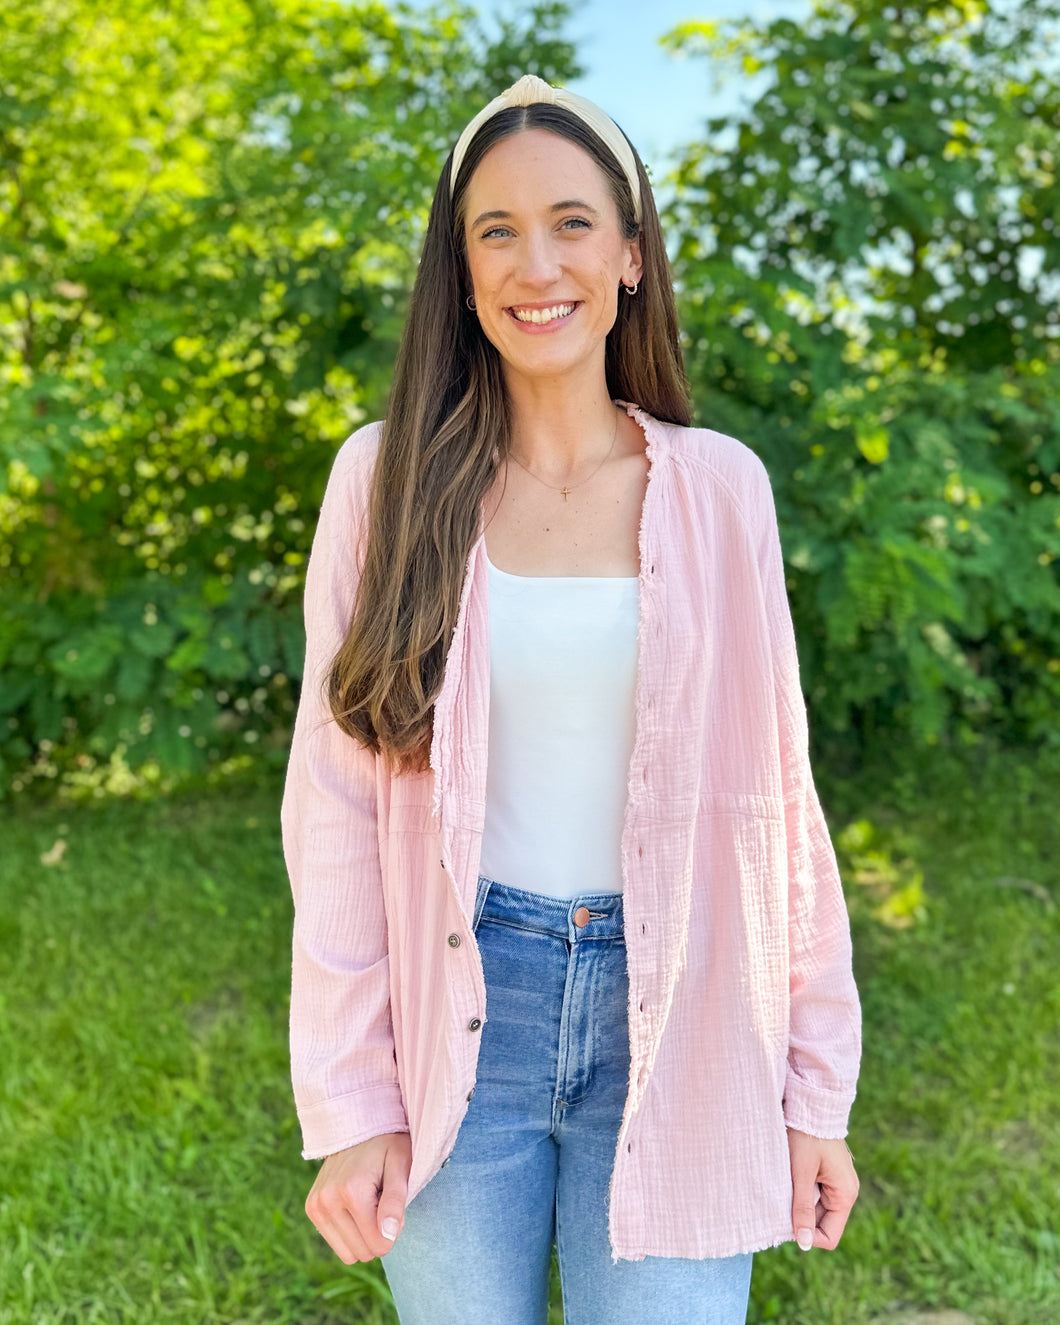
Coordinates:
[356,1191]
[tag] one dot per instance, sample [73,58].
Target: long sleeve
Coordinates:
[343,1067]
[824,1051]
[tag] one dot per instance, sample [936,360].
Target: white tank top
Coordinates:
[563,663]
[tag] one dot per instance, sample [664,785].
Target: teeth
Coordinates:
[543,314]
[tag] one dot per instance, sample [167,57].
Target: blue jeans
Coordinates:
[533,1158]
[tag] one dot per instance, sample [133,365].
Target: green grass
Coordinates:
[148,1142]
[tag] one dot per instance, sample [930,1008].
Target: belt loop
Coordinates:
[480,899]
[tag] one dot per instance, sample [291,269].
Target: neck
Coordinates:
[559,427]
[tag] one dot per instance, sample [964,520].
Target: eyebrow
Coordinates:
[568,204]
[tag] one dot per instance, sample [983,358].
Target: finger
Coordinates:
[362,1202]
[804,1199]
[833,1210]
[390,1215]
[830,1226]
[804,1170]
[347,1228]
[338,1229]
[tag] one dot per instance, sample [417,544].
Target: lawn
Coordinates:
[148,1142]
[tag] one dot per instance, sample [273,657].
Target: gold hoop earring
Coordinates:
[470,301]
[630,289]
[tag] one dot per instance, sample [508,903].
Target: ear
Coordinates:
[634,267]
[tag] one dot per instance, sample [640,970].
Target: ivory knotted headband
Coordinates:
[531,89]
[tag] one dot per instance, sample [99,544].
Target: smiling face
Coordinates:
[545,255]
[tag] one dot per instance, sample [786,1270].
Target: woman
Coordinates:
[571,958]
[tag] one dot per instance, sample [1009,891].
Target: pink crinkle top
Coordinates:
[744,1017]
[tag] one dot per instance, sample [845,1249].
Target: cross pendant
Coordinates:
[564,491]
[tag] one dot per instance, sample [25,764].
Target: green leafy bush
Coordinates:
[209,224]
[868,260]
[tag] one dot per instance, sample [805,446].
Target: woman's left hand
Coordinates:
[829,1163]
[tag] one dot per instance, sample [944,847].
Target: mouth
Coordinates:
[543,319]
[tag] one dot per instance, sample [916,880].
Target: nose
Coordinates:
[538,263]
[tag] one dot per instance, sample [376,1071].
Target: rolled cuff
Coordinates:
[817,1112]
[336,1124]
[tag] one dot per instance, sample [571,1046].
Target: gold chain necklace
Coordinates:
[566,489]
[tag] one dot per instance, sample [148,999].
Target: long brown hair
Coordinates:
[447,410]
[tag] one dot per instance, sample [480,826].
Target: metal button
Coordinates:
[474,1024]
[444,1162]
[470,1093]
[454,940]
[581,916]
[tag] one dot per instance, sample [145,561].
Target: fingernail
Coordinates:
[390,1228]
[806,1238]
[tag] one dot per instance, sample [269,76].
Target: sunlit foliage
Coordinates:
[209,220]
[869,258]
